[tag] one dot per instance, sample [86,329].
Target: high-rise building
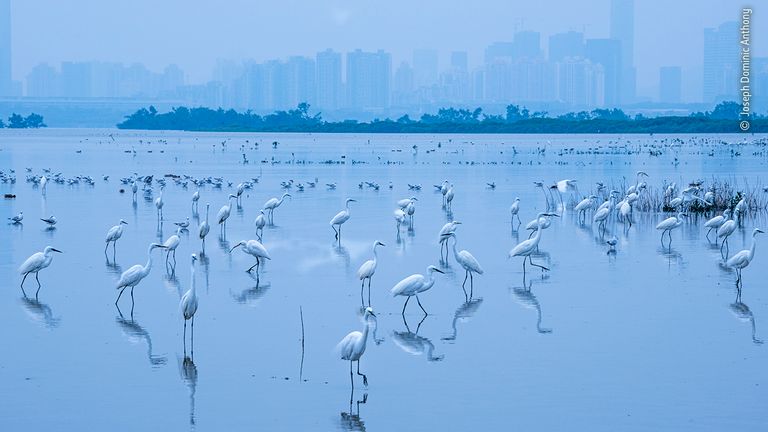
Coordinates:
[459,61]
[300,81]
[580,83]
[76,79]
[43,81]
[622,28]
[565,45]
[527,45]
[607,52]
[368,79]
[402,87]
[328,79]
[499,50]
[6,85]
[721,62]
[670,84]
[425,67]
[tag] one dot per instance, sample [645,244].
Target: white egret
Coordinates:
[135,274]
[600,216]
[188,304]
[444,190]
[43,184]
[134,189]
[17,219]
[367,270]
[223,215]
[467,262]
[667,225]
[582,207]
[195,199]
[51,221]
[742,259]
[443,239]
[449,197]
[726,229]
[274,203]
[171,244]
[204,227]
[514,211]
[260,222]
[340,218]
[415,284]
[239,193]
[403,203]
[255,249]
[35,263]
[716,222]
[564,186]
[526,247]
[625,212]
[410,210]
[352,347]
[159,203]
[113,235]
[399,218]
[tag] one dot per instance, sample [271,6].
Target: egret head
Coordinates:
[232,196]
[286,195]
[194,258]
[349,200]
[757,231]
[123,222]
[378,243]
[49,249]
[414,198]
[240,243]
[369,312]
[517,199]
[432,268]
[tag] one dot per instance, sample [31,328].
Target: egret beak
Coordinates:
[56,250]
[439,271]
[759,230]
[457,222]
[234,247]
[372,314]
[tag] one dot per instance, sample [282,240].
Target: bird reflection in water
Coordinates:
[172,283]
[342,253]
[254,294]
[373,321]
[137,334]
[744,314]
[223,243]
[205,262]
[40,312]
[113,267]
[351,421]
[188,372]
[463,314]
[414,344]
[527,299]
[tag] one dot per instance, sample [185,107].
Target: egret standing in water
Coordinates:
[159,205]
[443,239]
[274,203]
[743,258]
[399,218]
[204,227]
[367,270]
[223,215]
[352,347]
[134,275]
[668,224]
[526,247]
[449,198]
[260,222]
[716,222]
[195,199]
[467,262]
[415,284]
[188,306]
[35,263]
[113,235]
[170,246]
[514,211]
[340,218]
[254,249]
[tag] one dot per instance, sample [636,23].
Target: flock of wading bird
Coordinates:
[603,203]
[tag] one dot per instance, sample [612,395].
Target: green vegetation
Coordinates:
[16,121]
[723,118]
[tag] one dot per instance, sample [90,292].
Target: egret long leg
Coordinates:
[422,307]
[536,265]
[365,378]
[406,304]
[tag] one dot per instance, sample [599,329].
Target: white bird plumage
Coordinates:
[35,263]
[113,235]
[340,218]
[352,346]
[255,249]
[367,270]
[415,284]
[134,275]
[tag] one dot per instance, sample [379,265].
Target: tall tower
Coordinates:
[5,48]
[622,28]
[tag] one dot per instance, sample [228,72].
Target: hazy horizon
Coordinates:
[195,37]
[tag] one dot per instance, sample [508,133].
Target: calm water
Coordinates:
[647,339]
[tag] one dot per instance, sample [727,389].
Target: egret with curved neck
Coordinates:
[134,275]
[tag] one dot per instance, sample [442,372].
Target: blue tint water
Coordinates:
[647,338]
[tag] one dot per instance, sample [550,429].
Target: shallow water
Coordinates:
[647,338]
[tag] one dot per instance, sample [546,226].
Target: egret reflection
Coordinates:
[136,334]
[188,372]
[463,314]
[40,312]
[414,344]
[525,297]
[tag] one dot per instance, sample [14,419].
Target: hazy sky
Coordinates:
[193,34]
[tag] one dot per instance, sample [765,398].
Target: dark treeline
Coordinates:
[723,118]
[17,121]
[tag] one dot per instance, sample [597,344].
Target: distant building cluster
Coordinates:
[570,73]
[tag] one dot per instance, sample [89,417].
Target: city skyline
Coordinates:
[557,71]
